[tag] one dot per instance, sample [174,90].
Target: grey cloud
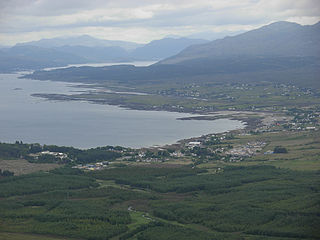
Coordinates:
[54,15]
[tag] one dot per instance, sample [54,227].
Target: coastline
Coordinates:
[251,119]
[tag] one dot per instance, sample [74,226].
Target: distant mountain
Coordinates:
[280,39]
[20,58]
[58,52]
[155,50]
[163,48]
[97,54]
[42,53]
[84,40]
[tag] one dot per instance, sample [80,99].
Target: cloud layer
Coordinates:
[144,20]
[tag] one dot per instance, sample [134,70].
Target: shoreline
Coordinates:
[250,119]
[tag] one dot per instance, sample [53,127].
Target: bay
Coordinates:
[84,125]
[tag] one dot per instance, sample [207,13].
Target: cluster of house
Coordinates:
[188,91]
[151,160]
[177,154]
[248,150]
[55,154]
[142,157]
[203,140]
[93,166]
[305,120]
[193,144]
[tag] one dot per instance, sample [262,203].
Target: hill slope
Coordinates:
[280,39]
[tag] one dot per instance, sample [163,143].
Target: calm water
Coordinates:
[84,125]
[135,63]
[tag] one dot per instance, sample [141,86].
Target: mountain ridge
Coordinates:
[276,39]
[82,40]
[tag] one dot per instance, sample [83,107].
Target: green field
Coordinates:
[25,236]
[201,96]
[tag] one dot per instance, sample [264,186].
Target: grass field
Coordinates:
[22,166]
[25,236]
[303,150]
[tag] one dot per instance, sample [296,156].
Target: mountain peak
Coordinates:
[86,37]
[280,26]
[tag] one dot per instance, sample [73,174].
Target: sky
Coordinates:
[144,20]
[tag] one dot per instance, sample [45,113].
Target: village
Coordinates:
[214,147]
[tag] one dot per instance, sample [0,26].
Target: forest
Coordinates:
[146,202]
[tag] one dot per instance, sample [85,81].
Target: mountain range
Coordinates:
[281,52]
[57,52]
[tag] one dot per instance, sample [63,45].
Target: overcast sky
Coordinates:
[144,20]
